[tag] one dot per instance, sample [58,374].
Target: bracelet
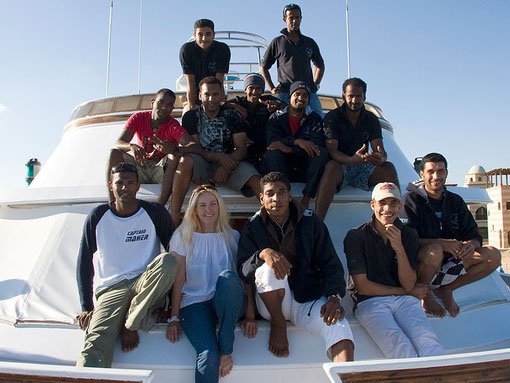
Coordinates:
[173,319]
[337,296]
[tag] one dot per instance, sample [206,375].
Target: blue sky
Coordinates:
[439,69]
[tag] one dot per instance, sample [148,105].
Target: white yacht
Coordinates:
[41,228]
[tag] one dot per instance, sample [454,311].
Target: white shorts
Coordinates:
[399,326]
[305,315]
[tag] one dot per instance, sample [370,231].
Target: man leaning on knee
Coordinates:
[287,253]
[124,238]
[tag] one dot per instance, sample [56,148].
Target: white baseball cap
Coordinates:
[385,190]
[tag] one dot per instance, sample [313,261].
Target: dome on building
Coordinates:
[476,169]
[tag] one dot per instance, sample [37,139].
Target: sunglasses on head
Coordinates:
[201,188]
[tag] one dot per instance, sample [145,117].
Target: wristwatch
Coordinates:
[335,296]
[173,319]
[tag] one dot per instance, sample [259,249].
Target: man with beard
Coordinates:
[349,130]
[156,151]
[221,135]
[451,252]
[296,142]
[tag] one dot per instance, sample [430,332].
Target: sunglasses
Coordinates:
[202,188]
[290,7]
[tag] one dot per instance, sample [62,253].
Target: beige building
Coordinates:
[498,189]
[476,178]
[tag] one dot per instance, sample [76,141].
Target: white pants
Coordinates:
[305,315]
[399,326]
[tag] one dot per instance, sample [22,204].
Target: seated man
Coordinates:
[201,58]
[256,110]
[382,256]
[451,253]
[125,237]
[157,150]
[296,142]
[288,253]
[349,130]
[221,135]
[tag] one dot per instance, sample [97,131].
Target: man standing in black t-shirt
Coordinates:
[201,58]
[349,130]
[451,253]
[221,134]
[382,256]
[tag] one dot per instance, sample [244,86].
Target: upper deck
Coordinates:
[114,109]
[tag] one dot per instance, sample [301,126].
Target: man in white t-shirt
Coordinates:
[121,246]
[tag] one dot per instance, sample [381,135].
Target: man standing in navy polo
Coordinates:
[293,52]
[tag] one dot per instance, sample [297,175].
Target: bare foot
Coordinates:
[128,339]
[278,342]
[431,306]
[446,296]
[226,364]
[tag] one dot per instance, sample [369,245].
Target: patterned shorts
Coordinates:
[451,269]
[357,176]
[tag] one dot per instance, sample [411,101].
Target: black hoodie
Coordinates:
[456,222]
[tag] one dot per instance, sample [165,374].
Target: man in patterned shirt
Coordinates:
[221,134]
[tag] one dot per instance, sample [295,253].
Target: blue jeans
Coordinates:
[314,102]
[199,321]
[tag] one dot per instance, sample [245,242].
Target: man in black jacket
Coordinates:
[296,142]
[451,253]
[289,255]
[256,110]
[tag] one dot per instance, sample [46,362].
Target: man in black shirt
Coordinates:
[201,58]
[382,256]
[293,51]
[349,130]
[221,135]
[256,110]
[451,253]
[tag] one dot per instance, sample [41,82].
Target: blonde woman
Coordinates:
[207,290]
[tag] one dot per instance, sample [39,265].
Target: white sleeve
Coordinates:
[176,244]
